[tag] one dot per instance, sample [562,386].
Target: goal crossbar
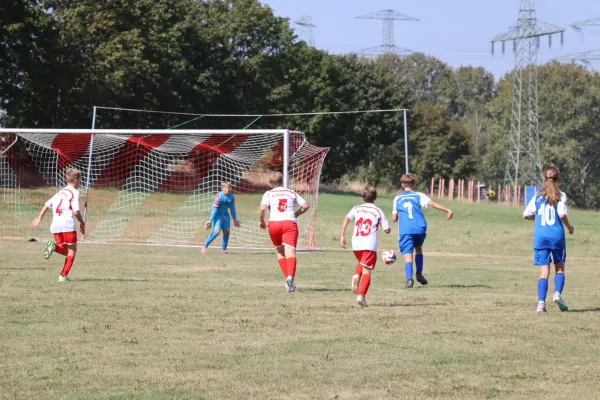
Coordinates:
[149,131]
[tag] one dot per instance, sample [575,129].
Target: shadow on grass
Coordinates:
[410,304]
[322,290]
[110,280]
[466,286]
[23,269]
[597,309]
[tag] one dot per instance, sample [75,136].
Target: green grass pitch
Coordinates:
[140,322]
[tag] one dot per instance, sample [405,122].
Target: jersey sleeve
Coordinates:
[561,207]
[394,210]
[75,202]
[265,199]
[49,203]
[299,200]
[424,199]
[351,214]
[530,209]
[233,213]
[384,222]
[215,206]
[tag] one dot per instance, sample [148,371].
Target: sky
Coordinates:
[457,32]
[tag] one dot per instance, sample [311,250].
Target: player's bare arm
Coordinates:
[388,230]
[565,221]
[263,209]
[394,218]
[302,210]
[79,218]
[529,217]
[343,234]
[440,207]
[36,222]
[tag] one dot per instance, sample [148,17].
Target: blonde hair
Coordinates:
[72,175]
[226,184]
[550,190]
[369,194]
[408,180]
[276,179]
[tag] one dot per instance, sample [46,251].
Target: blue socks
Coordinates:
[224,242]
[408,269]
[419,262]
[210,238]
[559,282]
[542,289]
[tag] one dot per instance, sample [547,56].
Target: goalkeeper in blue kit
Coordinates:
[219,217]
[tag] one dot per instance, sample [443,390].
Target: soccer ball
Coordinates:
[388,256]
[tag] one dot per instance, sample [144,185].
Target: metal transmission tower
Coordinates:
[306,29]
[586,57]
[387,42]
[524,163]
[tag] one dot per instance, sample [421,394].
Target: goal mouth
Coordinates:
[156,186]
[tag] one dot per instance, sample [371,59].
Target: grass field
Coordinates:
[169,323]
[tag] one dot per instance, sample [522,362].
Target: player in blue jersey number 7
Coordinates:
[412,227]
[549,236]
[219,217]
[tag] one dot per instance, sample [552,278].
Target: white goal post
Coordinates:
[155,186]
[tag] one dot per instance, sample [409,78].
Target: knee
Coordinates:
[217,231]
[225,233]
[419,250]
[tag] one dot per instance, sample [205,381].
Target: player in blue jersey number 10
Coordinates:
[412,227]
[549,236]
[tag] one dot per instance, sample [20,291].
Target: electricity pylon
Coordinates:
[306,29]
[524,164]
[387,41]
[586,57]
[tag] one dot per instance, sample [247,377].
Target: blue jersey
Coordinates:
[548,231]
[408,205]
[221,206]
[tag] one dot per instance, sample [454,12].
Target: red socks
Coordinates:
[68,264]
[60,249]
[365,282]
[358,270]
[291,266]
[283,266]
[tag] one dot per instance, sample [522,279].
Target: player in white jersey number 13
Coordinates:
[283,228]
[548,208]
[369,220]
[412,227]
[65,209]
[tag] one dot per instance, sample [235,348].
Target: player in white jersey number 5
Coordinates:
[369,220]
[65,209]
[283,228]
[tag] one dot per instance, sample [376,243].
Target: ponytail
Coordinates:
[550,190]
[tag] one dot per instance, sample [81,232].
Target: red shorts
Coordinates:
[366,258]
[65,238]
[283,232]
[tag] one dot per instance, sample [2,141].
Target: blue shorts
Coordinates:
[407,243]
[222,223]
[543,257]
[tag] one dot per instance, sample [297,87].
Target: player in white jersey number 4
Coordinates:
[283,228]
[369,219]
[65,209]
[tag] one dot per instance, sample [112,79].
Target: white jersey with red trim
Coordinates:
[63,204]
[368,219]
[281,204]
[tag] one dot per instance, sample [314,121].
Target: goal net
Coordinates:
[155,186]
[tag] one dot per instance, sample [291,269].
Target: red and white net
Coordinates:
[155,188]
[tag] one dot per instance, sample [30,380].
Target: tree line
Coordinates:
[59,58]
